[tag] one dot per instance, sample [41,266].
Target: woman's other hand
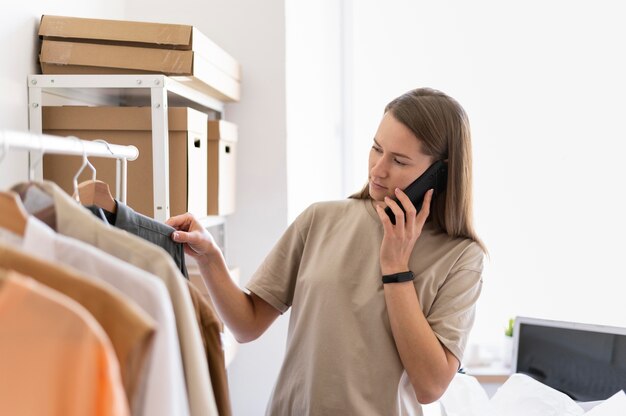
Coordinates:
[399,239]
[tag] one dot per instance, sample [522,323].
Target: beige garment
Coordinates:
[128,327]
[211,330]
[75,221]
[55,359]
[341,357]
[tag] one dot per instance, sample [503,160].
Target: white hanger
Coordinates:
[86,163]
[96,192]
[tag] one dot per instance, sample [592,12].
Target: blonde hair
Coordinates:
[442,126]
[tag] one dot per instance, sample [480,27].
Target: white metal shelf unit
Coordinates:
[46,144]
[160,87]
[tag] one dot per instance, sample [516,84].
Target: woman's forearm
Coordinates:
[429,365]
[247,316]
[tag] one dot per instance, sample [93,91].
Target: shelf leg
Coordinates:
[123,179]
[160,154]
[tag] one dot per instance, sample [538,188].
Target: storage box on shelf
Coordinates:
[132,125]
[96,46]
[222,156]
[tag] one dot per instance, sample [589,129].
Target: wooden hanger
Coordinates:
[13,216]
[37,202]
[96,192]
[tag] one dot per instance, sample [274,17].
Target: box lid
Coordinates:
[120,118]
[145,34]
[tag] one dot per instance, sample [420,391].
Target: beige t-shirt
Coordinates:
[340,356]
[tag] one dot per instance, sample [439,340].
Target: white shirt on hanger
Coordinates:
[163,391]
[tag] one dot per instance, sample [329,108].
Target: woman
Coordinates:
[351,336]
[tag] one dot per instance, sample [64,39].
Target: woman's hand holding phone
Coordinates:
[399,239]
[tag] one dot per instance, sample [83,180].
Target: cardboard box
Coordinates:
[95,46]
[145,34]
[222,156]
[132,126]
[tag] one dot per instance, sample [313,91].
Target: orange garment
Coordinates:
[129,329]
[55,359]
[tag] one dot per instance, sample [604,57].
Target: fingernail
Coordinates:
[176,236]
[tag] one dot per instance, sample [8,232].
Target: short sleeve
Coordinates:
[275,280]
[451,316]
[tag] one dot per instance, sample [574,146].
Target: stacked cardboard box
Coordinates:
[74,45]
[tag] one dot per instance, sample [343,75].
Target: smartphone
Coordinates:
[435,177]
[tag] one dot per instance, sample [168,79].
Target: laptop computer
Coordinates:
[587,362]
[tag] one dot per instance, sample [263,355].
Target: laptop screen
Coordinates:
[586,362]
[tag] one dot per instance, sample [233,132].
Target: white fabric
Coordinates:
[520,395]
[465,397]
[163,391]
[614,405]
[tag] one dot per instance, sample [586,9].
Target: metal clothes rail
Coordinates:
[47,144]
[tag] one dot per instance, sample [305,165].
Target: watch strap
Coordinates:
[398,277]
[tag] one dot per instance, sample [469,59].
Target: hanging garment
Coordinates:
[75,221]
[162,391]
[128,327]
[211,330]
[147,228]
[55,359]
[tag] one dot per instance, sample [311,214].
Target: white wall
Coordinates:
[543,84]
[315,148]
[19,23]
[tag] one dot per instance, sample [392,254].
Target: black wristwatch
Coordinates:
[398,277]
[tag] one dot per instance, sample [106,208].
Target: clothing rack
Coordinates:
[47,144]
